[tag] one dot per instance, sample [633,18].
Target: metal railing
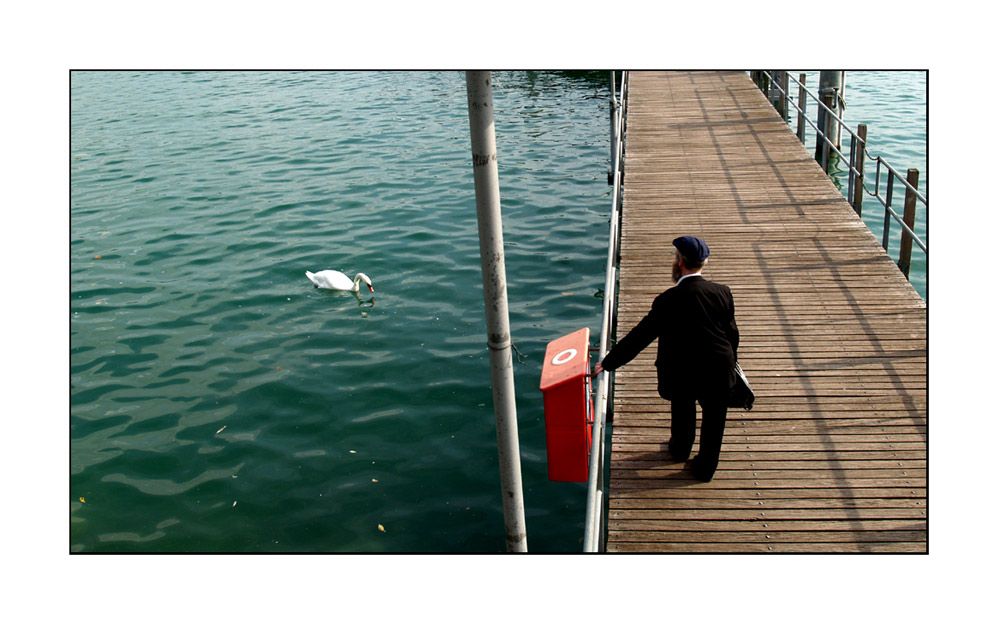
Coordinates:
[593,532]
[856,185]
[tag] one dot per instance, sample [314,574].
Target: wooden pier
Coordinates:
[833,456]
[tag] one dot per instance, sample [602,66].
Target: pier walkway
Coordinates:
[833,456]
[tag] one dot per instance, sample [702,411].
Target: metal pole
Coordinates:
[487,204]
[613,123]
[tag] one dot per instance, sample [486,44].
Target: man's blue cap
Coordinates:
[692,248]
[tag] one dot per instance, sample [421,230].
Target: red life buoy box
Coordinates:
[565,382]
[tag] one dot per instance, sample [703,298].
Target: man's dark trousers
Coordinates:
[683,413]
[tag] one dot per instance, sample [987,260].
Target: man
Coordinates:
[698,341]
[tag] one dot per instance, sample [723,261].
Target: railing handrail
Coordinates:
[854,172]
[593,524]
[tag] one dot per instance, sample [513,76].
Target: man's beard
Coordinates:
[676,271]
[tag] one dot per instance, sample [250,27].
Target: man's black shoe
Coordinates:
[677,455]
[699,471]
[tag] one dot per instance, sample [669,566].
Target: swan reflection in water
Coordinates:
[369,303]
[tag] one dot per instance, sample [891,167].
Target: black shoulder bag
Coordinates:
[741,395]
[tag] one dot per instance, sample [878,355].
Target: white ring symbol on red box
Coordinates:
[565,356]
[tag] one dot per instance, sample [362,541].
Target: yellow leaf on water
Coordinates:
[374,480]
[381,528]
[82,500]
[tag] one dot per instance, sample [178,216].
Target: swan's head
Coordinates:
[367,281]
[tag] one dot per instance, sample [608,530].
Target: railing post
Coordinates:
[858,186]
[887,228]
[801,107]
[784,97]
[851,179]
[909,217]
[593,534]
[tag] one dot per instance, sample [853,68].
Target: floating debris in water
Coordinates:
[381,528]
[219,431]
[82,500]
[374,480]
[234,504]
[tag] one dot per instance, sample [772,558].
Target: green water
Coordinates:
[219,402]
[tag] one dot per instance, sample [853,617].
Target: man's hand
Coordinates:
[597,370]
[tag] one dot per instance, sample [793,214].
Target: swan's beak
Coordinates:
[371,288]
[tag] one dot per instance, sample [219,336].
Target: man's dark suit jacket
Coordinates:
[698,339]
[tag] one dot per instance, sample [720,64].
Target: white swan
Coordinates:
[330,279]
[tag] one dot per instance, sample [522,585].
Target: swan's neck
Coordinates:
[357,282]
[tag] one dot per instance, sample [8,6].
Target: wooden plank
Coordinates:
[777,508]
[766,526]
[833,458]
[689,513]
[769,547]
[763,536]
